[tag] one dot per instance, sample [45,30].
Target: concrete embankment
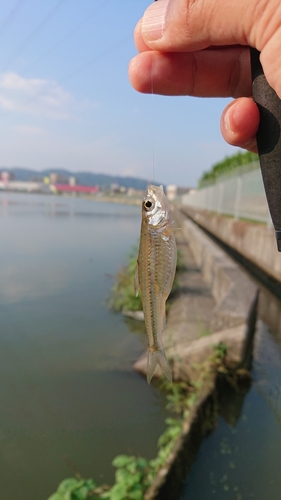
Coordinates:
[216,304]
[254,241]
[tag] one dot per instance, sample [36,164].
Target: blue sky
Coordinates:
[66,101]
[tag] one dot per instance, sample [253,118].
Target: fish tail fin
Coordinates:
[157,358]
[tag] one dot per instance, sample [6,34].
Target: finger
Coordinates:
[192,25]
[210,73]
[239,123]
[180,25]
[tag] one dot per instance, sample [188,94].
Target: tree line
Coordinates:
[228,164]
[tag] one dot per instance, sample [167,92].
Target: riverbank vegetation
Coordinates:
[229,164]
[134,475]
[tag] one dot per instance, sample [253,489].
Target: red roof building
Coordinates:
[66,188]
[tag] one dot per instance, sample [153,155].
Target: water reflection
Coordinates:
[268,368]
[21,204]
[270,311]
[240,459]
[39,257]
[231,401]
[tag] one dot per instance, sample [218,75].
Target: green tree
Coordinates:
[228,164]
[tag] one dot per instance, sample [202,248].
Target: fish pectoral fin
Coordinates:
[136,281]
[175,228]
[157,358]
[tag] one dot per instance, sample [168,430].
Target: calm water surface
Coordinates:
[70,400]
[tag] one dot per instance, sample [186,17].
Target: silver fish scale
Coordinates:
[155,272]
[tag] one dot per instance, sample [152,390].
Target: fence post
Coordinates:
[206,199]
[238,197]
[220,197]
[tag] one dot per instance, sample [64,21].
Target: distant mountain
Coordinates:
[104,181]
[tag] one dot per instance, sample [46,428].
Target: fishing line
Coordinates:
[153,116]
[152,122]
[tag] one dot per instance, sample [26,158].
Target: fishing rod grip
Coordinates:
[268,140]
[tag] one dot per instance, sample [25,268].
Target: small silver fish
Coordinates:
[155,273]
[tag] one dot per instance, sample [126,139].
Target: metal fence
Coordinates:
[242,196]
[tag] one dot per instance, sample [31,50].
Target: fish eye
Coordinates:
[147,204]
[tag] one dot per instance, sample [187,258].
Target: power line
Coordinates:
[91,61]
[79,69]
[35,32]
[11,16]
[76,28]
[83,66]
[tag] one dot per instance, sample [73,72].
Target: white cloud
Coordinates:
[7,104]
[34,96]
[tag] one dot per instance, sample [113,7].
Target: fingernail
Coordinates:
[226,121]
[153,20]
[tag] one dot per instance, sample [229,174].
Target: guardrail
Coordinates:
[242,197]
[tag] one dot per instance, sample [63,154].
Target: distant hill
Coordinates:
[83,178]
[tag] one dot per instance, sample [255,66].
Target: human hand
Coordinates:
[200,48]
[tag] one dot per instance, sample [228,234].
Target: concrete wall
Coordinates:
[254,241]
[233,291]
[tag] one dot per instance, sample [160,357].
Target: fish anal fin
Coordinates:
[157,358]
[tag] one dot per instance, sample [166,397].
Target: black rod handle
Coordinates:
[268,140]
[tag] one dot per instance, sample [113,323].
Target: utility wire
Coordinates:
[11,16]
[35,32]
[79,69]
[76,28]
[91,61]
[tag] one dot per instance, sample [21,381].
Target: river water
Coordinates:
[70,401]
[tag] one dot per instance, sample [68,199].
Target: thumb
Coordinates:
[192,25]
[180,25]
